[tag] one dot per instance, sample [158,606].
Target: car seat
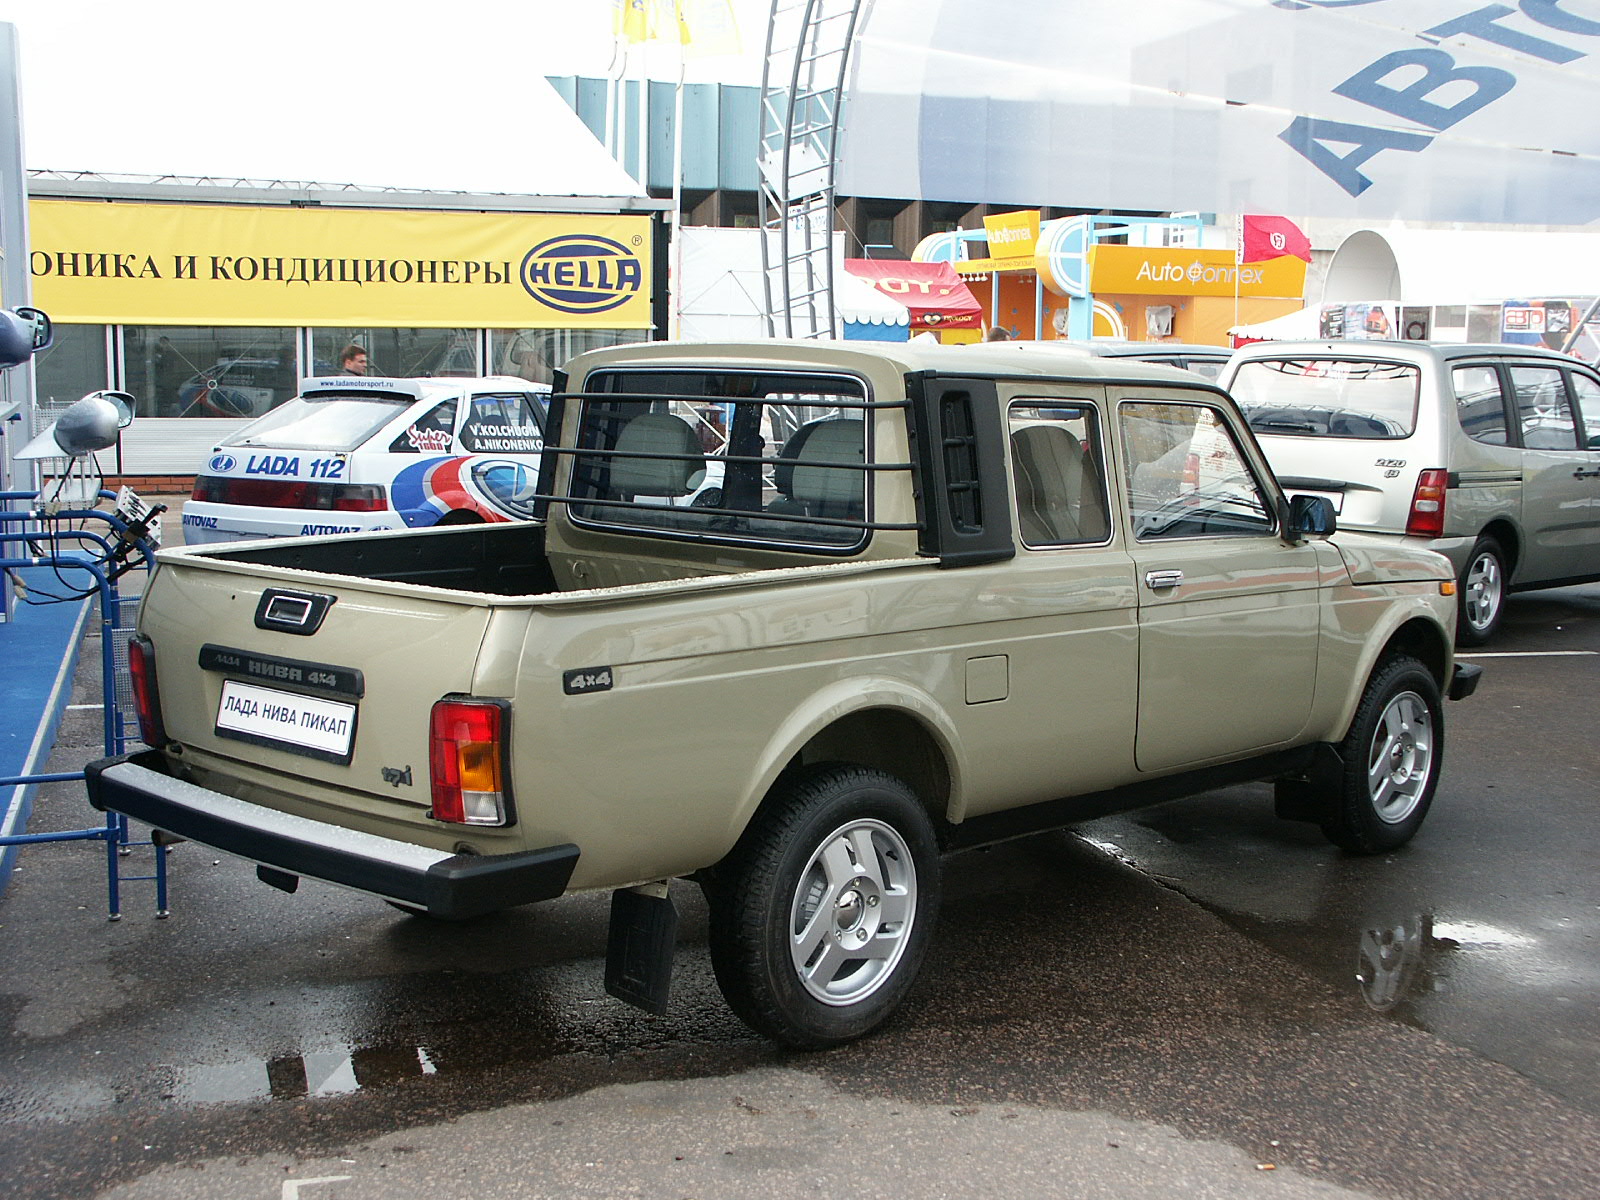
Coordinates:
[1058,499]
[656,433]
[808,482]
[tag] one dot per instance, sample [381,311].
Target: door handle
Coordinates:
[1160,581]
[1581,473]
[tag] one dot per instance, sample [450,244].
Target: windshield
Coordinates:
[321,423]
[1328,397]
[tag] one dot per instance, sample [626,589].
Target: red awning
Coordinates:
[932,291]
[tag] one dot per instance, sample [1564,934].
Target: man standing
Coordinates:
[352,360]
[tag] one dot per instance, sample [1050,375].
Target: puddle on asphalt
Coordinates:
[298,1077]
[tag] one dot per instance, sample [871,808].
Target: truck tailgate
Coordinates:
[270,695]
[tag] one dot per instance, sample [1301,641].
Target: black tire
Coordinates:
[839,853]
[460,516]
[1481,593]
[1392,757]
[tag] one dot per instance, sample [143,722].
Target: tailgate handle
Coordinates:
[292,612]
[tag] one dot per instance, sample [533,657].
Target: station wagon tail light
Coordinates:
[1426,518]
[291,493]
[467,761]
[146,700]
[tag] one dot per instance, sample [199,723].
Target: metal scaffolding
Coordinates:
[802,94]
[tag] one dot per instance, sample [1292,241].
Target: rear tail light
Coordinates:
[146,700]
[467,761]
[1426,518]
[291,493]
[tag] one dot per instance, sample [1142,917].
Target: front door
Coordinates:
[1229,614]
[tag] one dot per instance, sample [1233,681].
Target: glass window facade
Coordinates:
[223,371]
[238,373]
[74,366]
[400,353]
[536,354]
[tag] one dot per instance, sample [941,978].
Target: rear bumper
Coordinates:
[435,881]
[207,523]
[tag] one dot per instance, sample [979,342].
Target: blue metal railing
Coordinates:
[103,560]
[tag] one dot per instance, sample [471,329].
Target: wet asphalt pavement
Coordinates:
[1193,1000]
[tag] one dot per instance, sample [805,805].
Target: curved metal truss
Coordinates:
[802,93]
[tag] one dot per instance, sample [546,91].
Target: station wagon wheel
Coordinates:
[821,916]
[1392,756]
[1482,597]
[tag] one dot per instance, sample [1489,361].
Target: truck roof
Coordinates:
[983,358]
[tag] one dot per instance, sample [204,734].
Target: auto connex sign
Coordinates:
[128,263]
[1146,270]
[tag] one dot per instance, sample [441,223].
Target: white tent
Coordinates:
[1303,323]
[721,296]
[1435,266]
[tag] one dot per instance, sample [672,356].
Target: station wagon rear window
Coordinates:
[767,457]
[1329,397]
[334,423]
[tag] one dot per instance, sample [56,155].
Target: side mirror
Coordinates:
[23,333]
[1311,516]
[87,425]
[43,332]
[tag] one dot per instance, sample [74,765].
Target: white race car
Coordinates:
[353,453]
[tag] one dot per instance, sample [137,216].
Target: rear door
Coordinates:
[1586,391]
[1557,518]
[1229,615]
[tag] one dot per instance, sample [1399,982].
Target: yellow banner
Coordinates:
[1012,234]
[216,264]
[1151,271]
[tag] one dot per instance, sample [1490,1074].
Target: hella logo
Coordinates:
[222,462]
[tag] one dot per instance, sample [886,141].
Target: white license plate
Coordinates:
[301,724]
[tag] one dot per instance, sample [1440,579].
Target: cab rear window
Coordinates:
[1329,397]
[321,423]
[775,458]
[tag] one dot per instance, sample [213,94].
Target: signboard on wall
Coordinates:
[215,264]
[1428,110]
[1154,271]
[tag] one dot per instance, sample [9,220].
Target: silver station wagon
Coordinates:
[1489,454]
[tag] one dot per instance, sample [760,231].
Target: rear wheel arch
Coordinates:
[889,740]
[1505,532]
[900,734]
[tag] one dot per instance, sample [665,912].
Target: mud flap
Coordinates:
[639,946]
[281,880]
[1306,797]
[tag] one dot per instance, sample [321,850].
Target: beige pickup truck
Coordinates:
[794,619]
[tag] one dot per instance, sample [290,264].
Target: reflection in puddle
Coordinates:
[1475,933]
[296,1077]
[1389,961]
[1402,961]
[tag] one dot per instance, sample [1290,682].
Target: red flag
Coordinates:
[1261,238]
